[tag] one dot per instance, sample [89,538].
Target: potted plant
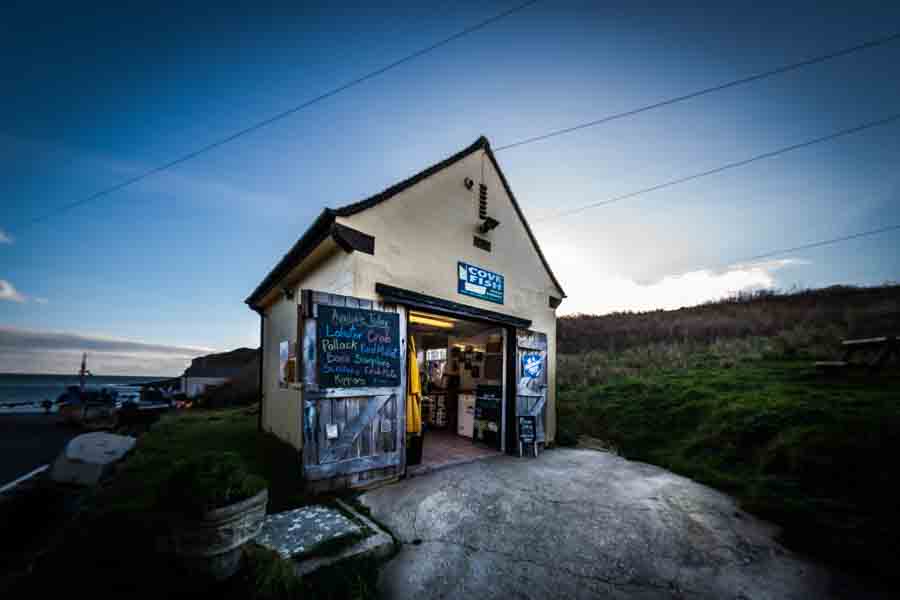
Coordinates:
[214,506]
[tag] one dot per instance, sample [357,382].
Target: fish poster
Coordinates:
[533,373]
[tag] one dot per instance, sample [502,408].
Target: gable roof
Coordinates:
[323,226]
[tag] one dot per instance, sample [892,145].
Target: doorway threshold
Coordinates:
[443,449]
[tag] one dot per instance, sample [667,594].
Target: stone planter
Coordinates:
[210,546]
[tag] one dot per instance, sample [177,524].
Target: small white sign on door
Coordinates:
[331,431]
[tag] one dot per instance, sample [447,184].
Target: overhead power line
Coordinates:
[734,265]
[725,167]
[282,115]
[837,240]
[716,88]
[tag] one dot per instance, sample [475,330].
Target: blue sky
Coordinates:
[93,99]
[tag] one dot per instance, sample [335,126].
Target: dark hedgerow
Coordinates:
[208,481]
[566,437]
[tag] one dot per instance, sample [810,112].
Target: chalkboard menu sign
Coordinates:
[527,429]
[357,348]
[488,400]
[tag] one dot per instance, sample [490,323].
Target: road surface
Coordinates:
[29,441]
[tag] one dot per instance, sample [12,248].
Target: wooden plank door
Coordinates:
[353,361]
[531,377]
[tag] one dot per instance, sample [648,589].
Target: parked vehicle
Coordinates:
[122,403]
[127,393]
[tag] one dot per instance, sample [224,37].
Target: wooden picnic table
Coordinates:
[886,346]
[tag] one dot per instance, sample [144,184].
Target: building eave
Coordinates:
[323,228]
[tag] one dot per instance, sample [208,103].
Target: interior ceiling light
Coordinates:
[429,320]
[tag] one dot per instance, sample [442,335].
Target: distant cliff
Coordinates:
[223,364]
[240,366]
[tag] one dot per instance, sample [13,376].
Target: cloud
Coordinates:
[9,292]
[37,351]
[601,296]
[5,238]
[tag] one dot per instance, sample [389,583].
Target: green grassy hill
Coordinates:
[727,394]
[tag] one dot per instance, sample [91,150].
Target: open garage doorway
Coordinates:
[461,369]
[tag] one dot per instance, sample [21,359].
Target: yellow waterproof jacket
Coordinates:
[414,392]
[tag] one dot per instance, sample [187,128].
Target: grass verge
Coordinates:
[813,453]
[112,549]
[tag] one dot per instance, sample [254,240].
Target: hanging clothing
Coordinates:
[414,392]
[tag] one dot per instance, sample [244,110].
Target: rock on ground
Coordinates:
[87,458]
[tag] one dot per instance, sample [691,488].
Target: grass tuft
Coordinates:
[208,481]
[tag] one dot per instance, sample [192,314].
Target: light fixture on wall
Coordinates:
[288,293]
[423,319]
[489,224]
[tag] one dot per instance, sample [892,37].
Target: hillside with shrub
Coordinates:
[808,324]
[727,393]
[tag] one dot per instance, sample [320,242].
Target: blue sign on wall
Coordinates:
[480,283]
[532,365]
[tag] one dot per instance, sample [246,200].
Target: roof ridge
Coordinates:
[482,143]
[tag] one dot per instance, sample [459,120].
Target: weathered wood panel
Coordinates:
[364,447]
[325,418]
[351,466]
[531,340]
[352,428]
[353,415]
[504,420]
[361,480]
[537,406]
[532,399]
[370,421]
[385,432]
[351,392]
[308,354]
[399,407]
[310,427]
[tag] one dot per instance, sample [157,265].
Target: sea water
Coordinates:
[35,389]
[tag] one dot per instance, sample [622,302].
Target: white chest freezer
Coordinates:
[466,415]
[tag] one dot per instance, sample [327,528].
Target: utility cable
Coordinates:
[837,240]
[725,167]
[716,88]
[279,116]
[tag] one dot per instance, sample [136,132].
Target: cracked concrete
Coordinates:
[581,524]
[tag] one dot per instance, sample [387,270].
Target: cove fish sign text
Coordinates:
[480,283]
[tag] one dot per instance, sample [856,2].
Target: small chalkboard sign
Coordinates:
[528,433]
[488,414]
[357,348]
[527,429]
